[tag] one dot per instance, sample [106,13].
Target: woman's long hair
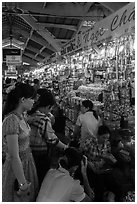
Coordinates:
[13,98]
[89,104]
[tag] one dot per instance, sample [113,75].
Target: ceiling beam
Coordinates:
[42,42]
[87,6]
[79,27]
[33,37]
[108,6]
[68,27]
[15,43]
[44,33]
[18,42]
[33,56]
[28,60]
[32,49]
[22,31]
[30,35]
[16,31]
[7,40]
[40,52]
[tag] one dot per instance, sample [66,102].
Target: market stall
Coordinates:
[97,64]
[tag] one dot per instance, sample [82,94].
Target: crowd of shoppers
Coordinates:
[40,166]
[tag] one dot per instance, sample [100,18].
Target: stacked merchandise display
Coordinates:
[117,103]
[109,72]
[105,68]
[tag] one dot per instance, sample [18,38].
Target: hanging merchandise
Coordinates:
[99,69]
[117,102]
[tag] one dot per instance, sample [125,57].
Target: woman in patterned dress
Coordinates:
[19,179]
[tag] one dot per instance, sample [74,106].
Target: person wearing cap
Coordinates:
[60,185]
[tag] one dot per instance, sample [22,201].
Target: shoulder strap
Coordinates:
[44,132]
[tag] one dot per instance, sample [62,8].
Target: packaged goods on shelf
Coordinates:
[117,102]
[91,91]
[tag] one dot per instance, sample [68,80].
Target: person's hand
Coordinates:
[24,190]
[84,164]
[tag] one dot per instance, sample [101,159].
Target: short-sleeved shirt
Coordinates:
[12,125]
[93,150]
[41,131]
[59,186]
[89,125]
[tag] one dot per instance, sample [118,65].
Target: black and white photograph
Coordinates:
[68,101]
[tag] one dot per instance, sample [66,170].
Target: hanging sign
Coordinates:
[13,59]
[69,47]
[73,45]
[10,51]
[117,24]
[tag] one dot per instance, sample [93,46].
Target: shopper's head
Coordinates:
[36,81]
[45,101]
[19,96]
[19,79]
[72,159]
[103,133]
[86,106]
[36,84]
[8,80]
